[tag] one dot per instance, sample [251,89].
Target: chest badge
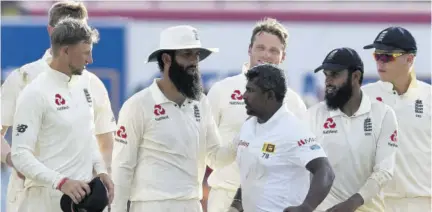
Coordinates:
[267,149]
[367,126]
[418,108]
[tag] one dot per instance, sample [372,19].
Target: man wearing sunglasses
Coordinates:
[395,51]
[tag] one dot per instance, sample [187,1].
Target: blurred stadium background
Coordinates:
[130,31]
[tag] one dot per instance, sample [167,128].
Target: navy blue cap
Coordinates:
[394,38]
[96,201]
[340,59]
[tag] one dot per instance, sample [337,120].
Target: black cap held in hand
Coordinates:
[393,39]
[96,201]
[340,59]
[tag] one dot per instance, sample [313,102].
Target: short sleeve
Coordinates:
[305,148]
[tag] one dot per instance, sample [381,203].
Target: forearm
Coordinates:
[26,163]
[320,186]
[98,163]
[374,184]
[105,142]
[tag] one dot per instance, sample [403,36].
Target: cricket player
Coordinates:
[166,133]
[358,135]
[104,120]
[277,152]
[268,44]
[395,52]
[54,145]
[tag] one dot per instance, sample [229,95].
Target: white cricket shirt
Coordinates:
[19,78]
[229,112]
[272,159]
[162,149]
[412,176]
[360,148]
[53,131]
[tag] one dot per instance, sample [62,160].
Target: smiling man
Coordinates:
[358,135]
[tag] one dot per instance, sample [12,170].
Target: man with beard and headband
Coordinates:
[166,133]
[277,153]
[54,145]
[398,87]
[359,136]
[267,45]
[104,119]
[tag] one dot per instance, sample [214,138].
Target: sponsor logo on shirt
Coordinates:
[60,102]
[329,126]
[367,126]
[418,108]
[315,147]
[305,141]
[393,139]
[21,128]
[121,135]
[237,98]
[159,112]
[379,99]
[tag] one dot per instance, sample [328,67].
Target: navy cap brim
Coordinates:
[332,67]
[380,46]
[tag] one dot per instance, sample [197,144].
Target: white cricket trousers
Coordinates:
[219,199]
[14,191]
[166,206]
[420,204]
[40,198]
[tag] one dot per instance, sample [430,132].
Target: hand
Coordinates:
[345,206]
[300,208]
[106,180]
[9,163]
[76,190]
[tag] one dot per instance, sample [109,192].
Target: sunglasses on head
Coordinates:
[387,56]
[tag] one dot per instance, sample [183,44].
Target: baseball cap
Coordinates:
[340,59]
[96,201]
[394,38]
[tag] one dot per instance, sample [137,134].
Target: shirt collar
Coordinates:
[59,75]
[365,107]
[273,120]
[47,56]
[245,67]
[412,88]
[159,97]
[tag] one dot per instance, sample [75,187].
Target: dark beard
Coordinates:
[188,84]
[341,97]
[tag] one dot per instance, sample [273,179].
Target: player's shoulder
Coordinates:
[23,71]
[320,107]
[425,88]
[371,87]
[229,82]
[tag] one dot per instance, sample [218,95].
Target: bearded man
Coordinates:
[166,133]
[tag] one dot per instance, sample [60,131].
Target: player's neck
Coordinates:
[272,109]
[170,91]
[353,104]
[402,83]
[58,66]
